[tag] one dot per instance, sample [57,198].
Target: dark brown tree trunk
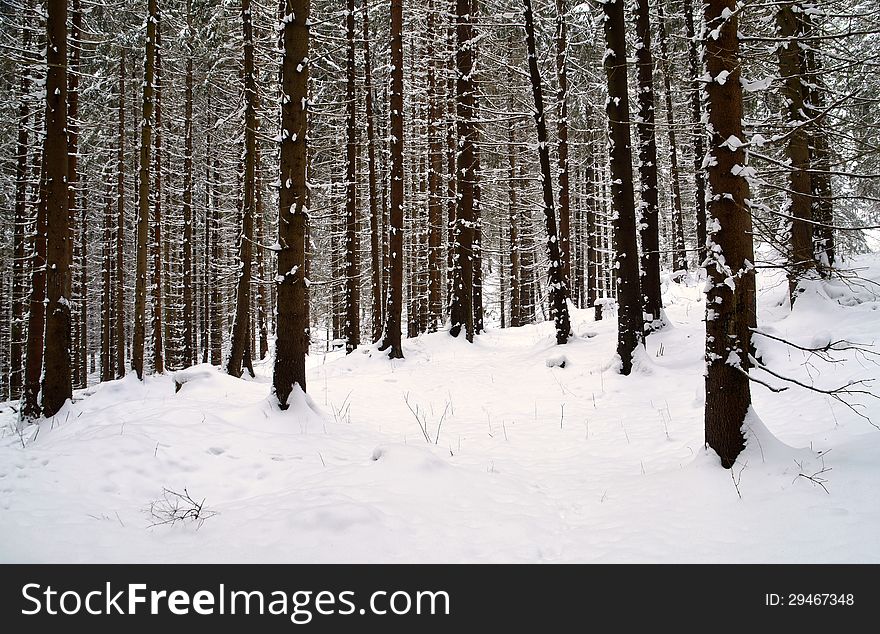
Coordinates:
[462,309]
[352,331]
[592,237]
[292,326]
[143,218]
[798,203]
[648,217]
[435,172]
[394,308]
[729,304]
[157,278]
[630,324]
[56,383]
[240,350]
[562,134]
[558,289]
[189,314]
[694,66]
[119,278]
[107,285]
[76,353]
[375,242]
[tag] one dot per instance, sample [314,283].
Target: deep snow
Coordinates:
[532,463]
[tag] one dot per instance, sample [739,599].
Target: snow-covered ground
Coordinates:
[532,462]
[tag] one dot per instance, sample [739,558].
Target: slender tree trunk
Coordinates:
[106,285]
[189,314]
[30,407]
[562,134]
[679,258]
[592,237]
[728,301]
[513,219]
[352,332]
[56,383]
[648,217]
[157,282]
[240,353]
[798,203]
[462,309]
[73,185]
[19,298]
[698,141]
[435,172]
[823,200]
[558,289]
[375,242]
[119,308]
[394,307]
[208,284]
[262,322]
[216,296]
[292,329]
[630,324]
[143,218]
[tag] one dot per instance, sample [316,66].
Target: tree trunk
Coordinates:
[728,302]
[216,296]
[143,218]
[558,289]
[679,261]
[648,220]
[157,288]
[375,243]
[630,324]
[30,407]
[352,332]
[189,314]
[106,285]
[240,353]
[292,325]
[696,119]
[74,40]
[562,134]
[798,203]
[513,219]
[435,171]
[394,307]
[18,248]
[56,383]
[462,309]
[119,280]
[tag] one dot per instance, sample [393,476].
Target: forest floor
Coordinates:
[515,459]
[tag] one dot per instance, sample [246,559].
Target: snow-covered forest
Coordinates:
[439,281]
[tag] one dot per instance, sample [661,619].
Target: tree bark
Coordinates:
[562,135]
[119,278]
[375,242]
[648,217]
[292,324]
[189,314]
[798,202]
[462,308]
[698,141]
[352,331]
[56,383]
[630,323]
[394,308]
[558,289]
[143,218]
[728,301]
[157,278]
